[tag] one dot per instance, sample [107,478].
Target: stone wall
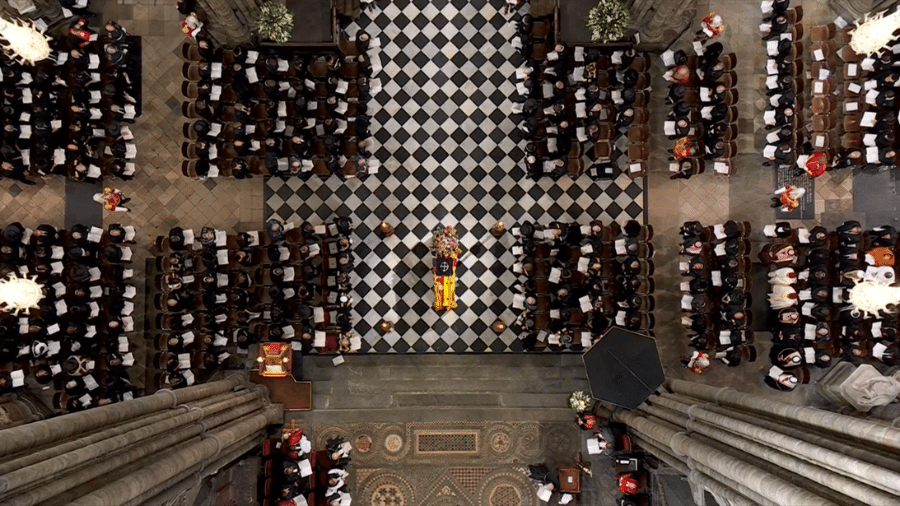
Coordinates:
[660,23]
[857,8]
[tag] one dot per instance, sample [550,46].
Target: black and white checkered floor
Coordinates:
[450,156]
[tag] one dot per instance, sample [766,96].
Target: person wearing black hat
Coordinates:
[185,7]
[13,233]
[344,225]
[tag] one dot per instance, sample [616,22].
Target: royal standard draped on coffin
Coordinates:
[445,248]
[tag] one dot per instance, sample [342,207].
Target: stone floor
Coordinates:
[365,388]
[464,463]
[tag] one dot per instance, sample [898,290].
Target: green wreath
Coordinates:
[607,21]
[274,22]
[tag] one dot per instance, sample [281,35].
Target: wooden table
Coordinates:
[570,480]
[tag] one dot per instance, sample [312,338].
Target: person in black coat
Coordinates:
[13,233]
[675,94]
[850,232]
[780,24]
[185,7]
[544,475]
[884,236]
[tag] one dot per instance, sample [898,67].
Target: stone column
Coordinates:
[210,447]
[90,478]
[780,449]
[733,469]
[14,412]
[768,452]
[696,478]
[856,428]
[49,8]
[155,440]
[193,476]
[223,24]
[660,23]
[854,9]
[62,462]
[884,459]
[56,429]
[55,450]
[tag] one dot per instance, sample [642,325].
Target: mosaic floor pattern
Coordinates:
[393,466]
[450,155]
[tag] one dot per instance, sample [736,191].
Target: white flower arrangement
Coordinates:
[274,22]
[579,402]
[607,21]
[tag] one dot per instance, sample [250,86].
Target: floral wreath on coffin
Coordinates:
[444,242]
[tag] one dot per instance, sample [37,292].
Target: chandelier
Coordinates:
[25,43]
[870,297]
[874,34]
[18,293]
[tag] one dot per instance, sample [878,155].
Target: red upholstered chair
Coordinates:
[623,443]
[314,482]
[319,460]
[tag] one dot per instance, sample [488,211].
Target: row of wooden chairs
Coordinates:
[711,238]
[854,95]
[227,157]
[798,75]
[608,251]
[825,91]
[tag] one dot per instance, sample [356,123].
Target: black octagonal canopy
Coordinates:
[623,368]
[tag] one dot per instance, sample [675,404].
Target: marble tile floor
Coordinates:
[162,197]
[451,155]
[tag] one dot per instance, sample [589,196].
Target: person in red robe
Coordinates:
[711,26]
[191,25]
[79,36]
[697,362]
[627,484]
[683,148]
[788,197]
[882,256]
[586,421]
[110,199]
[680,74]
[816,164]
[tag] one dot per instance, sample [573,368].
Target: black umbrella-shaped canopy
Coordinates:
[623,368]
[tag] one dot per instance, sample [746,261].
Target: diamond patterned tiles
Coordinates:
[446,82]
[450,156]
[834,192]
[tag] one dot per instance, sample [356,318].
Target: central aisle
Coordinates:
[450,155]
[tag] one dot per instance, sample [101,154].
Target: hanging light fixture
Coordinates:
[874,33]
[23,42]
[18,293]
[870,297]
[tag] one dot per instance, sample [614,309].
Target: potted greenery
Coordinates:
[607,21]
[274,22]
